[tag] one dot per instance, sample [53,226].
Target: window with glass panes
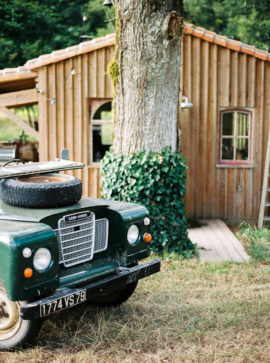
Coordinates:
[235,136]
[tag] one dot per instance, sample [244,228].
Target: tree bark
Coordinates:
[147,87]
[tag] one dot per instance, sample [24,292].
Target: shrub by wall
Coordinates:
[156,180]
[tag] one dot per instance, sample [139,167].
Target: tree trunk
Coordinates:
[145,73]
[147,86]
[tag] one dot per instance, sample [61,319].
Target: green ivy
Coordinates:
[156,180]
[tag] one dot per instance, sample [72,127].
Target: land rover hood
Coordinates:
[9,212]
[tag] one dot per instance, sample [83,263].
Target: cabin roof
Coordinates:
[19,78]
[78,49]
[108,40]
[232,44]
[24,77]
[12,79]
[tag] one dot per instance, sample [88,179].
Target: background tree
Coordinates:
[29,28]
[247,21]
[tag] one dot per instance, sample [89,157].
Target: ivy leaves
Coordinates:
[156,180]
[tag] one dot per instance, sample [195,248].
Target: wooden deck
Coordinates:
[216,242]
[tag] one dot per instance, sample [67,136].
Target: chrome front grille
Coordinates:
[101,235]
[76,234]
[79,236]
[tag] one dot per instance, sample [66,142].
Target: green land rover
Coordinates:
[58,250]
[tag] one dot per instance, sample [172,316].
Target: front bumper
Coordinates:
[123,277]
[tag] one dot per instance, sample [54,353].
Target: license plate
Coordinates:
[63,303]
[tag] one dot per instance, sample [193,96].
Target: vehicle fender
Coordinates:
[14,237]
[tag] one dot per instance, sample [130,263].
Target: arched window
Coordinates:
[101,131]
[235,140]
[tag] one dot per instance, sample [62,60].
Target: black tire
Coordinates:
[41,191]
[115,298]
[14,331]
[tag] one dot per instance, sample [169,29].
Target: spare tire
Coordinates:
[41,191]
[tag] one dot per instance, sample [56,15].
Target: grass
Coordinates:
[9,131]
[189,312]
[256,241]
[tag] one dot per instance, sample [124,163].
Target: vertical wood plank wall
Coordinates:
[65,124]
[215,77]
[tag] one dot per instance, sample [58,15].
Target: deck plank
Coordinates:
[216,242]
[207,253]
[226,243]
[233,240]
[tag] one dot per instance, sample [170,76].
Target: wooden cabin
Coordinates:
[223,136]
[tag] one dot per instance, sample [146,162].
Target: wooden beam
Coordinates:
[14,75]
[19,98]
[43,116]
[266,177]
[20,122]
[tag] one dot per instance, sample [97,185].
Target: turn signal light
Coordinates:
[147,237]
[28,272]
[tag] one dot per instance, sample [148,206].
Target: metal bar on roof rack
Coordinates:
[38,168]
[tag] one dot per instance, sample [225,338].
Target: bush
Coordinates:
[157,181]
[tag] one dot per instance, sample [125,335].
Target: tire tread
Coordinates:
[41,195]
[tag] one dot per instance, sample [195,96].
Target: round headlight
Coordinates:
[27,252]
[133,234]
[42,259]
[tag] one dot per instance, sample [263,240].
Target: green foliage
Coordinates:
[113,70]
[29,28]
[157,181]
[256,241]
[247,21]
[10,132]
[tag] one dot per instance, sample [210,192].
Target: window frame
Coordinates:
[235,162]
[94,105]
